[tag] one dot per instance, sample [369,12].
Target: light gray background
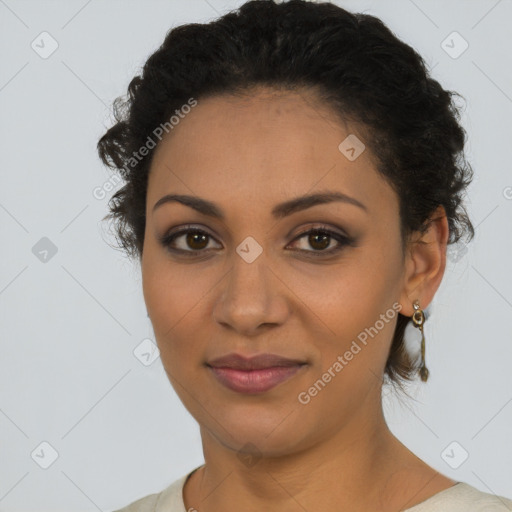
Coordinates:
[69,326]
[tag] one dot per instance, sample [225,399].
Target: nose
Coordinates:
[251,298]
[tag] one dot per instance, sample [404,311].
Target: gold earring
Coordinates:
[418,319]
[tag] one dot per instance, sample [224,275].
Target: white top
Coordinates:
[461,497]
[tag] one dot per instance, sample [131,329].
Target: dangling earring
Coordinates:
[418,319]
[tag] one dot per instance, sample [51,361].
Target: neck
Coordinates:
[353,468]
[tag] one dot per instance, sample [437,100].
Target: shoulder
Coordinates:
[169,499]
[145,504]
[463,497]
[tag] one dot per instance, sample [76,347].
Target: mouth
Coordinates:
[255,374]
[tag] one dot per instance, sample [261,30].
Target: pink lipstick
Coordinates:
[255,374]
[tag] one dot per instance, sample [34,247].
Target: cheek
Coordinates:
[354,303]
[350,293]
[175,305]
[161,288]
[163,285]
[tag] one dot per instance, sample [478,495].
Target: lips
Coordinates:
[256,374]
[258,362]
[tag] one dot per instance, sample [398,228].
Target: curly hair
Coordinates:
[358,67]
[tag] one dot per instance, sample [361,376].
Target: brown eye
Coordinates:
[196,240]
[186,240]
[192,242]
[319,239]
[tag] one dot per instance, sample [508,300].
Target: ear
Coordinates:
[425,263]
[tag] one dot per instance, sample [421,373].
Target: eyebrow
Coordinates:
[278,212]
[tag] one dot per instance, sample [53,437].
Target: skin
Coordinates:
[248,154]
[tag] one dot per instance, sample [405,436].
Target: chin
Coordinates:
[268,435]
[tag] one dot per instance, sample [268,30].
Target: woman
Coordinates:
[293,177]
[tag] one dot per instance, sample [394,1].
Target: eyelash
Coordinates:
[342,240]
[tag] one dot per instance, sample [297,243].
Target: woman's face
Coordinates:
[253,282]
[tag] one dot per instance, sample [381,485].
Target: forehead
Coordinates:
[260,146]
